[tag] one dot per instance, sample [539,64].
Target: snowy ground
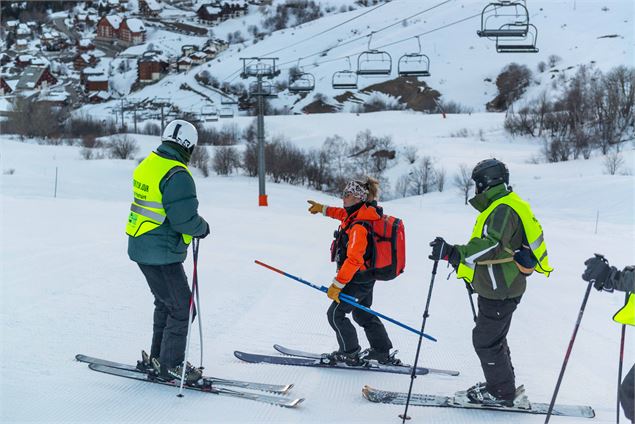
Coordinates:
[68,287]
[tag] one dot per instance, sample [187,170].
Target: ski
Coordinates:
[318,363]
[301,354]
[399,398]
[222,391]
[273,388]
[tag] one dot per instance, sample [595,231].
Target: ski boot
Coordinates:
[349,358]
[192,373]
[478,394]
[384,358]
[145,364]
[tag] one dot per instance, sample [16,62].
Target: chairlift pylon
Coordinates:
[374,62]
[505,18]
[414,64]
[346,79]
[515,45]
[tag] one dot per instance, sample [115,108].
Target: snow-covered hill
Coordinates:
[463,66]
[67,285]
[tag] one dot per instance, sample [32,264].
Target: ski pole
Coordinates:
[293,277]
[198,305]
[469,294]
[195,242]
[405,416]
[347,299]
[619,368]
[568,353]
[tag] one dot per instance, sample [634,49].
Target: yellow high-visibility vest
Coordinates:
[533,232]
[626,315]
[146,210]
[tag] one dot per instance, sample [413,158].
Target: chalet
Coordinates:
[4,87]
[23,31]
[12,26]
[24,60]
[84,45]
[187,49]
[99,97]
[21,45]
[97,83]
[210,13]
[54,98]
[108,27]
[198,58]
[184,63]
[84,60]
[211,51]
[150,8]
[151,67]
[88,72]
[36,78]
[132,31]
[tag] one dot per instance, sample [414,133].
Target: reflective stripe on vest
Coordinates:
[146,210]
[626,315]
[533,233]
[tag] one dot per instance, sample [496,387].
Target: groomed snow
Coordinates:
[68,286]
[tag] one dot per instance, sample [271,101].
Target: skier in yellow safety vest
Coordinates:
[609,278]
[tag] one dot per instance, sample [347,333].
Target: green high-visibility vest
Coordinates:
[626,315]
[533,232]
[146,210]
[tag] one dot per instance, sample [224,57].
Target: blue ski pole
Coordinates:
[350,300]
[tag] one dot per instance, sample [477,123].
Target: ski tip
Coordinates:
[242,356]
[294,403]
[81,358]
[287,389]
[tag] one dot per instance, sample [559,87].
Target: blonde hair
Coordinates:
[373,188]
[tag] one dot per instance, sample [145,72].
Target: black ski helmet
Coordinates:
[488,173]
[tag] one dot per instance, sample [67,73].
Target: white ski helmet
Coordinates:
[181,132]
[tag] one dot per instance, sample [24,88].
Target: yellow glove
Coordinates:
[316,207]
[334,291]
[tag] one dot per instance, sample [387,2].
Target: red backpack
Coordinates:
[387,251]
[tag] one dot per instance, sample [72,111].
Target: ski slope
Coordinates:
[463,66]
[68,286]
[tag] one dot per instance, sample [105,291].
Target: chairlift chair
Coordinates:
[346,79]
[227,101]
[504,18]
[258,69]
[209,114]
[374,62]
[266,89]
[414,64]
[515,45]
[300,81]
[226,112]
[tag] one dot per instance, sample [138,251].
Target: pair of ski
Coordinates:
[217,386]
[307,359]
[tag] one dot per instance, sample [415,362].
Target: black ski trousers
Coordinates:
[627,394]
[490,342]
[344,329]
[168,284]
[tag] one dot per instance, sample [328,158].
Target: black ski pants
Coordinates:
[168,284]
[490,342]
[344,329]
[627,394]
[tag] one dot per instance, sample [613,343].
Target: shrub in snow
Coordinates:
[226,160]
[122,147]
[613,162]
[463,181]
[200,159]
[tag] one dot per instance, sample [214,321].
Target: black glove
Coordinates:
[441,250]
[598,271]
[206,233]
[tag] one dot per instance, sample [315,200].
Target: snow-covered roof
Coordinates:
[113,2]
[11,24]
[198,55]
[213,10]
[92,71]
[85,42]
[103,95]
[30,76]
[135,25]
[114,21]
[87,57]
[97,78]
[184,59]
[82,17]
[23,30]
[40,61]
[21,43]
[54,96]
[25,58]
[153,5]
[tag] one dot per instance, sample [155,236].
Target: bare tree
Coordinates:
[422,177]
[613,162]
[122,147]
[463,181]
[440,178]
[226,160]
[200,159]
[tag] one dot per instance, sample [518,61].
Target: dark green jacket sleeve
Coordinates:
[181,205]
[623,280]
[503,229]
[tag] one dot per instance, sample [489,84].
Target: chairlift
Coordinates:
[514,45]
[209,114]
[258,69]
[226,112]
[265,89]
[346,79]
[505,18]
[224,100]
[414,64]
[374,62]
[300,81]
